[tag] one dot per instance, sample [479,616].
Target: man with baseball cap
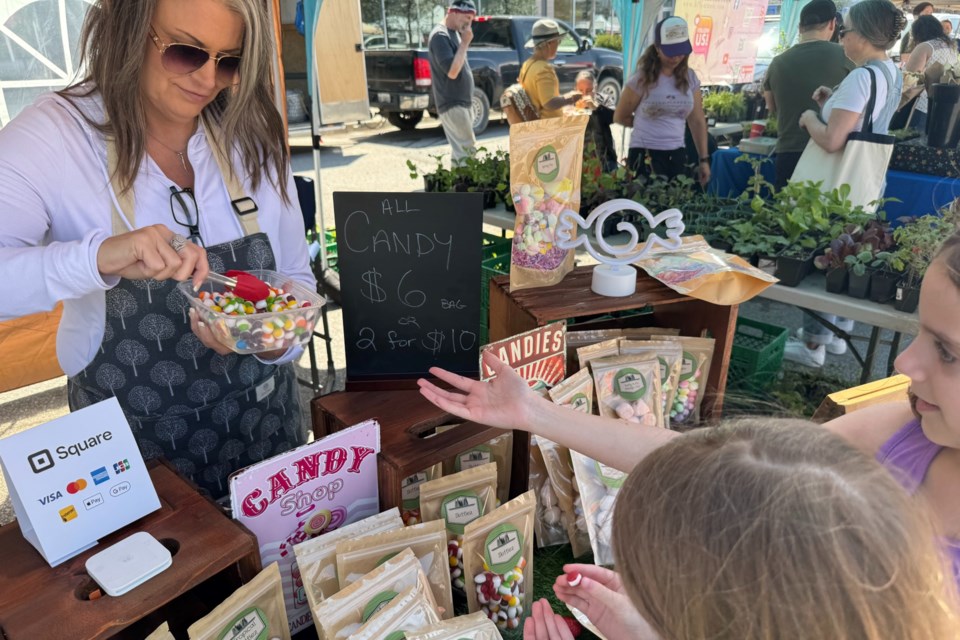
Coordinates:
[795,74]
[452,78]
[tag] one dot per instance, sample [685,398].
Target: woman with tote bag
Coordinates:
[849,142]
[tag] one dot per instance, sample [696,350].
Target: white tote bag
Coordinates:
[861,164]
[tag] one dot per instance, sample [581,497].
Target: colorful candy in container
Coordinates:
[670,356]
[628,387]
[694,369]
[599,485]
[546,158]
[498,554]
[410,493]
[284,319]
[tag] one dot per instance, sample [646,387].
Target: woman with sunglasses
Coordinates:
[168,160]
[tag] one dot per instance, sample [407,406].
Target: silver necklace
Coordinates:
[180,154]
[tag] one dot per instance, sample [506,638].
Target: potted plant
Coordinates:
[917,243]
[887,271]
[725,106]
[859,281]
[833,261]
[439,180]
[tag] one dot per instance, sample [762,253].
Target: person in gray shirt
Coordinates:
[452,78]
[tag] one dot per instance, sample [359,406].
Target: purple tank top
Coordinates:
[908,455]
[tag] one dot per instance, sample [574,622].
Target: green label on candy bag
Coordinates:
[249,625]
[630,384]
[689,367]
[396,635]
[609,476]
[547,164]
[459,509]
[580,402]
[503,548]
[377,603]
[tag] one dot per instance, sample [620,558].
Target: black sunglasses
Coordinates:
[185,212]
[183,59]
[844,31]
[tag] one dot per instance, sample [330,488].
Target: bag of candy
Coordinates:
[670,355]
[458,500]
[546,159]
[698,270]
[548,525]
[499,450]
[317,557]
[599,485]
[161,633]
[410,490]
[694,369]
[628,387]
[575,393]
[257,608]
[410,611]
[578,339]
[358,556]
[342,614]
[498,551]
[605,349]
[473,626]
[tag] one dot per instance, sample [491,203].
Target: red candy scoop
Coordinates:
[243,284]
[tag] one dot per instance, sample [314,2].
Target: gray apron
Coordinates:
[208,414]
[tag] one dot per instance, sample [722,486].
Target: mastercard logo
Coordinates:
[77,486]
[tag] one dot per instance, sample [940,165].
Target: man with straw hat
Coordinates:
[452,78]
[537,75]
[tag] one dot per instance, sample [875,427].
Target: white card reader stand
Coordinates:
[128,563]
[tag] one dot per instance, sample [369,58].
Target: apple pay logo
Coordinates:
[40,461]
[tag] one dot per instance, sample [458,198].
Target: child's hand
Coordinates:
[600,596]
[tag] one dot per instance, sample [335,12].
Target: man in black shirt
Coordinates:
[598,128]
[452,78]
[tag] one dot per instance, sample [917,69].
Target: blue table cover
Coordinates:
[918,193]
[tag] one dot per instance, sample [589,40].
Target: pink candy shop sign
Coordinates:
[302,493]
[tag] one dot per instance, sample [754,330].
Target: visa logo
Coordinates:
[53,497]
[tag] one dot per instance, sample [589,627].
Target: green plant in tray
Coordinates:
[858,263]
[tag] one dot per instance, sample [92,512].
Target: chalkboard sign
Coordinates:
[409,282]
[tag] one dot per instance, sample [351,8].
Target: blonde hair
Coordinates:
[778,529]
[113,45]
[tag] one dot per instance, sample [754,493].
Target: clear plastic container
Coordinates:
[248,333]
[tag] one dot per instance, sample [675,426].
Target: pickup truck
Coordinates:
[400,86]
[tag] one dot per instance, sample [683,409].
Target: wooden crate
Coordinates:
[213,555]
[519,311]
[405,417]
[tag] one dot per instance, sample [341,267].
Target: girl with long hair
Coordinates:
[933,46]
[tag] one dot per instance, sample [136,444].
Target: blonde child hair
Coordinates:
[772,529]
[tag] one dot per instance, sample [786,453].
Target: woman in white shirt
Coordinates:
[112,189]
[871,28]
[934,46]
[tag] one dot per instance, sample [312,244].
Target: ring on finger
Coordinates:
[178,242]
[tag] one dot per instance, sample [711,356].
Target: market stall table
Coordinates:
[212,556]
[919,193]
[810,295]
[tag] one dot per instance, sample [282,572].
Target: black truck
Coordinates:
[400,86]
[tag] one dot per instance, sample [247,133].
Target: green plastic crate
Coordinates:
[490,268]
[757,355]
[495,246]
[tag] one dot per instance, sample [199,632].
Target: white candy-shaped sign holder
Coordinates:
[614,277]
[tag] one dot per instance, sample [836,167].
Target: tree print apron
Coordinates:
[208,414]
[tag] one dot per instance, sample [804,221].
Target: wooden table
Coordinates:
[520,311]
[213,555]
[407,444]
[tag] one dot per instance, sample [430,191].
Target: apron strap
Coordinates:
[243,206]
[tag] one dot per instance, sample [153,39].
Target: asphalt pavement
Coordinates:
[371,158]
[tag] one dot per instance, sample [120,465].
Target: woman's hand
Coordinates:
[821,95]
[703,174]
[600,596]
[146,253]
[504,402]
[807,117]
[544,624]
